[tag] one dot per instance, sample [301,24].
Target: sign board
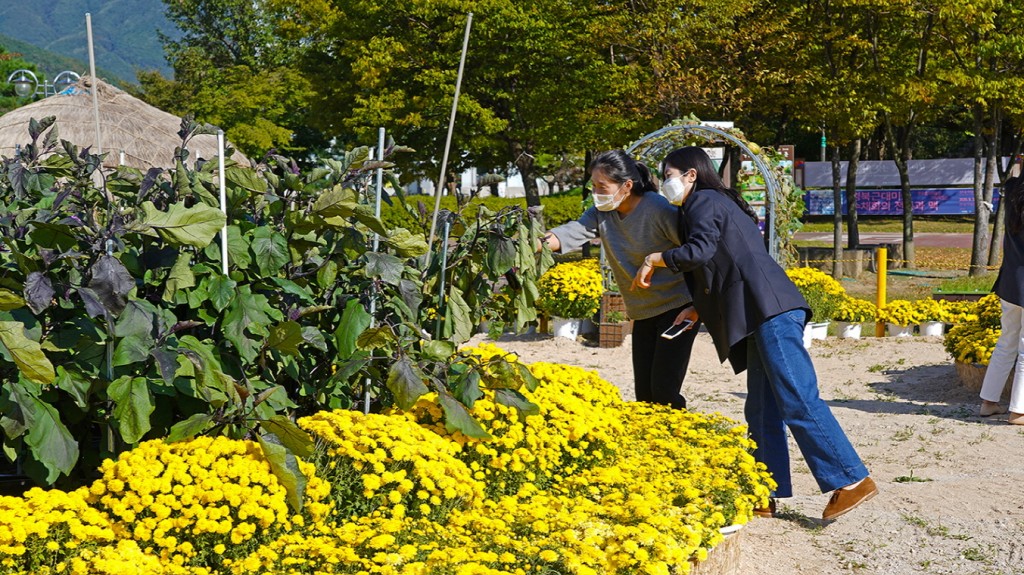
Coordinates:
[889,202]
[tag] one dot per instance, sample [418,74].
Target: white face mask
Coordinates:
[674,190]
[607,202]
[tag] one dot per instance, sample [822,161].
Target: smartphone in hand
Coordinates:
[674,331]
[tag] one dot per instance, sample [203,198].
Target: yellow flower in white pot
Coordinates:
[571,289]
[855,310]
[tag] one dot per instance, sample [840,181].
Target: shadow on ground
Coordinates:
[928,389]
[933,390]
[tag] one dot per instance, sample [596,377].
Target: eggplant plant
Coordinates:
[118,325]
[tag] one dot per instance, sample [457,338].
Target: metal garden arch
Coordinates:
[656,145]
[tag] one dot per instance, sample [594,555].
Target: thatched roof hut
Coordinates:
[145,134]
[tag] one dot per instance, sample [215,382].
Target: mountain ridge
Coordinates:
[125,34]
[51,64]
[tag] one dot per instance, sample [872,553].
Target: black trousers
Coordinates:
[659,364]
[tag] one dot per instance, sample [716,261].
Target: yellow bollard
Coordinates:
[882,257]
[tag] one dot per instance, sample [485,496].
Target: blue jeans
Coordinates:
[782,390]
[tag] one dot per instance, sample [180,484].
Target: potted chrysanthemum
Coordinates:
[824,295]
[931,317]
[570,292]
[900,316]
[971,341]
[851,314]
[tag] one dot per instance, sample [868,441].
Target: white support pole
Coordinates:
[451,126]
[95,84]
[223,203]
[376,244]
[380,182]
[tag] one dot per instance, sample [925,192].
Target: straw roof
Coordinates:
[146,134]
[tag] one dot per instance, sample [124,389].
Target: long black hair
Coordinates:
[691,157]
[1012,191]
[620,167]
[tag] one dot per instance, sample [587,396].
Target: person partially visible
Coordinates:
[756,318]
[1009,287]
[631,218]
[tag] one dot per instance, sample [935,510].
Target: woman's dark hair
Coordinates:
[1012,191]
[620,167]
[692,157]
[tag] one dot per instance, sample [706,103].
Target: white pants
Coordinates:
[1009,350]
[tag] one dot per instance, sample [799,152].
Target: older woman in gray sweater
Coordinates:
[633,220]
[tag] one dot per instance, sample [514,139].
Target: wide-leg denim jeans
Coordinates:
[782,390]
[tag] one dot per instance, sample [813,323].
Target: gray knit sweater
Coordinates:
[652,226]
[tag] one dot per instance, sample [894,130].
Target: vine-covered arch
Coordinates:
[653,147]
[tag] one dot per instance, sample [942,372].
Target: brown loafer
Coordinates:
[766,511]
[844,500]
[1015,418]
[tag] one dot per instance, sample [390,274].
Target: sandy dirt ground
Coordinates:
[951,483]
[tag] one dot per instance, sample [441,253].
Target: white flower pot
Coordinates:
[566,327]
[813,331]
[730,529]
[900,330]
[849,330]
[931,328]
[819,329]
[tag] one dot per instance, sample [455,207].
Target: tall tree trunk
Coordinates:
[837,216]
[524,164]
[852,231]
[979,244]
[991,168]
[902,156]
[909,255]
[899,142]
[995,246]
[995,252]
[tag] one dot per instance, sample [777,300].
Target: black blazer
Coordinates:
[1010,283]
[735,284]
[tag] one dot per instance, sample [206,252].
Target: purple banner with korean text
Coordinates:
[889,202]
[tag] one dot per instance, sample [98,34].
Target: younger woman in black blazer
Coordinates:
[756,316]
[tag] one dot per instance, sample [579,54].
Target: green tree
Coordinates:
[711,58]
[906,84]
[532,83]
[830,90]
[233,69]
[983,66]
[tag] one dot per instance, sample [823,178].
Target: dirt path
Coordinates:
[951,484]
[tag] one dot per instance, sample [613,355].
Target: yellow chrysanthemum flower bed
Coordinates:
[590,485]
[974,339]
[35,527]
[571,289]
